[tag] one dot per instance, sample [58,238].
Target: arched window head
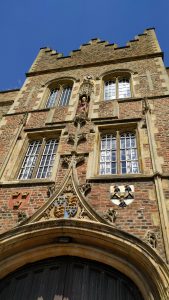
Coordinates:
[59,94]
[117,87]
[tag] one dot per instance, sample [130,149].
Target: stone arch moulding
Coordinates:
[117,72]
[58,79]
[86,239]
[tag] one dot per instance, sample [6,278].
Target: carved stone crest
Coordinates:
[65,206]
[122,195]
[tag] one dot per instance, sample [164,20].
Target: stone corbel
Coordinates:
[110,215]
[50,190]
[146,106]
[81,120]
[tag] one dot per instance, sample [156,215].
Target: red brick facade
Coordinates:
[147,111]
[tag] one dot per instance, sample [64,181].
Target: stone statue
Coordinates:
[83,106]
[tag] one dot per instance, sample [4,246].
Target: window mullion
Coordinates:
[117,88]
[39,158]
[59,95]
[118,151]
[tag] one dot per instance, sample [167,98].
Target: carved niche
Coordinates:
[122,195]
[85,92]
[86,88]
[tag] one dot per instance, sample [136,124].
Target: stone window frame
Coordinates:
[44,136]
[59,84]
[118,129]
[117,75]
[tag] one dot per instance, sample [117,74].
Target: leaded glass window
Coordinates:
[30,159]
[59,96]
[110,90]
[118,154]
[65,96]
[52,98]
[124,88]
[47,159]
[39,159]
[108,160]
[128,153]
[117,88]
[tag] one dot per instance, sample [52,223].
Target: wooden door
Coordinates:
[68,278]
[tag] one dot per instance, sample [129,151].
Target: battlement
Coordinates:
[97,51]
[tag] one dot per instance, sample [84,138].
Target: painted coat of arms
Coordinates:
[122,195]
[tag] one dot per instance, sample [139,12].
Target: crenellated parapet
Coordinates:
[97,52]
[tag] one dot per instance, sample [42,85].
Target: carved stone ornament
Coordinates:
[85,188]
[66,160]
[51,190]
[110,215]
[79,159]
[122,195]
[145,106]
[80,119]
[22,216]
[66,205]
[86,87]
[81,137]
[151,239]
[72,138]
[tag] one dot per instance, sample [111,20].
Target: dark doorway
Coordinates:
[68,278]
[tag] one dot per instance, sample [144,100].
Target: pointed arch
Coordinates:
[86,239]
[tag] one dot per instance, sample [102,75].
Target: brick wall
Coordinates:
[148,80]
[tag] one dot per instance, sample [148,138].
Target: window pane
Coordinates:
[124,88]
[128,153]
[108,163]
[110,90]
[65,96]
[30,160]
[52,98]
[47,159]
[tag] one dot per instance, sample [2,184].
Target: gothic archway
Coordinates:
[89,240]
[69,278]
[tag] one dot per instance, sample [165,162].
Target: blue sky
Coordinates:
[63,25]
